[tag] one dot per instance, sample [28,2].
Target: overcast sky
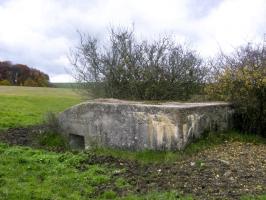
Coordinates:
[39,33]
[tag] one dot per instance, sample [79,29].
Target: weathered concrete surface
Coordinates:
[137,126]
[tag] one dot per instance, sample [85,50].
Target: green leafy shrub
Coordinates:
[241,79]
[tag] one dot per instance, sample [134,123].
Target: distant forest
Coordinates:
[22,75]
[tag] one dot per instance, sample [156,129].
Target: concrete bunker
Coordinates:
[138,125]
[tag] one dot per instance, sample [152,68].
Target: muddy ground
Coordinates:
[227,171]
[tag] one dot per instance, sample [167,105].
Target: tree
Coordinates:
[241,79]
[130,69]
[5,70]
[22,75]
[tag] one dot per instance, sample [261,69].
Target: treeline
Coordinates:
[128,68]
[22,75]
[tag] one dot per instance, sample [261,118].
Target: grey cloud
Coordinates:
[47,29]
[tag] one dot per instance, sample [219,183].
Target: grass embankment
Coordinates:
[22,106]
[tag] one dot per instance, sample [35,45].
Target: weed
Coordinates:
[52,139]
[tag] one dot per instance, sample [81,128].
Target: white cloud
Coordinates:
[39,33]
[62,78]
[231,24]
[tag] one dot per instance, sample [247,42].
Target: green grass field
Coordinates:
[21,106]
[27,173]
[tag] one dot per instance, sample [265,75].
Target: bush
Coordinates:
[5,82]
[142,70]
[241,79]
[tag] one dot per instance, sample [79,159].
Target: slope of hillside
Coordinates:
[20,106]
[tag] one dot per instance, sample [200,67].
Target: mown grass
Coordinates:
[22,106]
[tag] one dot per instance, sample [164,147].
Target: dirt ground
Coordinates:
[227,171]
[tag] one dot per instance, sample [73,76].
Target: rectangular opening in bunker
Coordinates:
[76,141]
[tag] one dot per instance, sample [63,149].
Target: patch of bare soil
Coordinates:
[21,136]
[27,136]
[227,171]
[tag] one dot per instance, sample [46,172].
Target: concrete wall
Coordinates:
[137,126]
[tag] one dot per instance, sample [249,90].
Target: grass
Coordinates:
[64,85]
[260,197]
[34,174]
[22,106]
[206,142]
[37,174]
[52,139]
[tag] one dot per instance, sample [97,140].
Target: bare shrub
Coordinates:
[126,68]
